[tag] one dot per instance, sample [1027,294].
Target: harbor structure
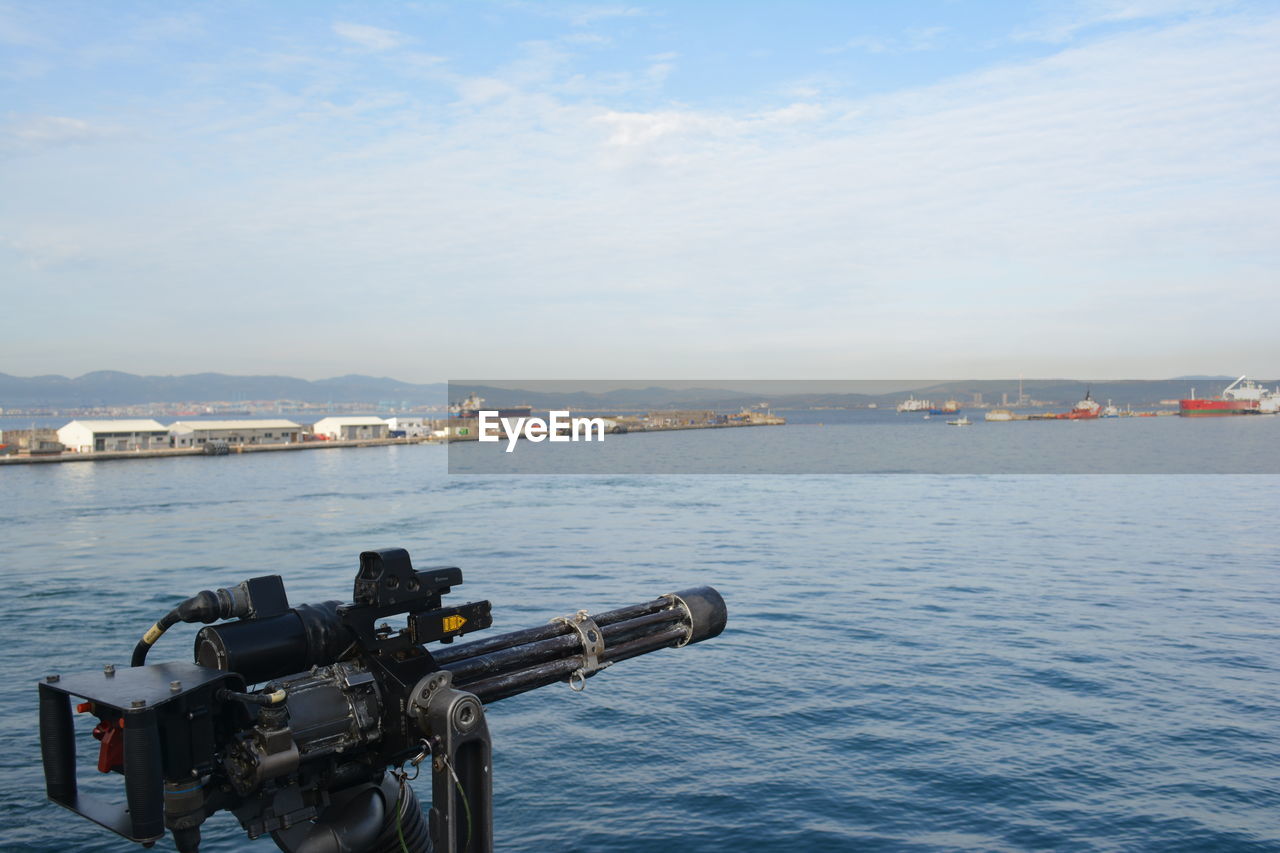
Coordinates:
[460,429]
[33,442]
[197,433]
[350,428]
[681,418]
[115,435]
[409,427]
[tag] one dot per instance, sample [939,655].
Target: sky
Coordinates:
[677,190]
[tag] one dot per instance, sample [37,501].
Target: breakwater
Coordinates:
[160,453]
[623,426]
[470,435]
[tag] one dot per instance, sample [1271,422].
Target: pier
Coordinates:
[467,429]
[456,432]
[166,452]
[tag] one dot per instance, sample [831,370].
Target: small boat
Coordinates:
[963,420]
[927,416]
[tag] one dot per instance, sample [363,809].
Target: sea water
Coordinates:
[912,662]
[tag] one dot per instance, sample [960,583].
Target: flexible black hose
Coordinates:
[403,825]
[149,639]
[205,606]
[411,833]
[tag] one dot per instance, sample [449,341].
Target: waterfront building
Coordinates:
[38,441]
[462,429]
[680,418]
[197,433]
[114,435]
[350,428]
[411,427]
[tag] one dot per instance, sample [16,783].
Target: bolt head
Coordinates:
[138,703]
[175,686]
[109,669]
[53,679]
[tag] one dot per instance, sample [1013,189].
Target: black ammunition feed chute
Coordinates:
[301,720]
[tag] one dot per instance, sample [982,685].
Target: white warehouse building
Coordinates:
[411,427]
[350,428]
[197,433]
[100,436]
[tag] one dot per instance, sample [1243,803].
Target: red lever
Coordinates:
[111,754]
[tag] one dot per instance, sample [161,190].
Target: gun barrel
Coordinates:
[509,664]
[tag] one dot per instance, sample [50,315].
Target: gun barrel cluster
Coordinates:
[509,664]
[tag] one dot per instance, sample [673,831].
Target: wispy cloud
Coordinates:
[914,40]
[578,14]
[585,16]
[369,38]
[1115,182]
[589,39]
[26,69]
[36,133]
[43,248]
[15,32]
[170,28]
[1065,20]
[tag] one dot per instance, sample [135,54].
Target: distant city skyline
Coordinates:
[423,191]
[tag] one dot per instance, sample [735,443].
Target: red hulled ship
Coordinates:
[1086,410]
[1239,398]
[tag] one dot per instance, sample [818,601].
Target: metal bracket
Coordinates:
[677,601]
[461,816]
[592,642]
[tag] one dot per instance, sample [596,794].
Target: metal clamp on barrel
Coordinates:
[592,647]
[677,601]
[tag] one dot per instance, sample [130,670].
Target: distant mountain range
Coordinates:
[113,388]
[1063,392]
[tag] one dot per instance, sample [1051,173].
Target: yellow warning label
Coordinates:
[453,623]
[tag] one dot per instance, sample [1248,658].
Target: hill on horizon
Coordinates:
[116,388]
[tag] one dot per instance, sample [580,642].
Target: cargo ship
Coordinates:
[1242,397]
[911,404]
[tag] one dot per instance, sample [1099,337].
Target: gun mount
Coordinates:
[301,720]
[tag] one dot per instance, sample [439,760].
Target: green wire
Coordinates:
[466,805]
[399,829]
